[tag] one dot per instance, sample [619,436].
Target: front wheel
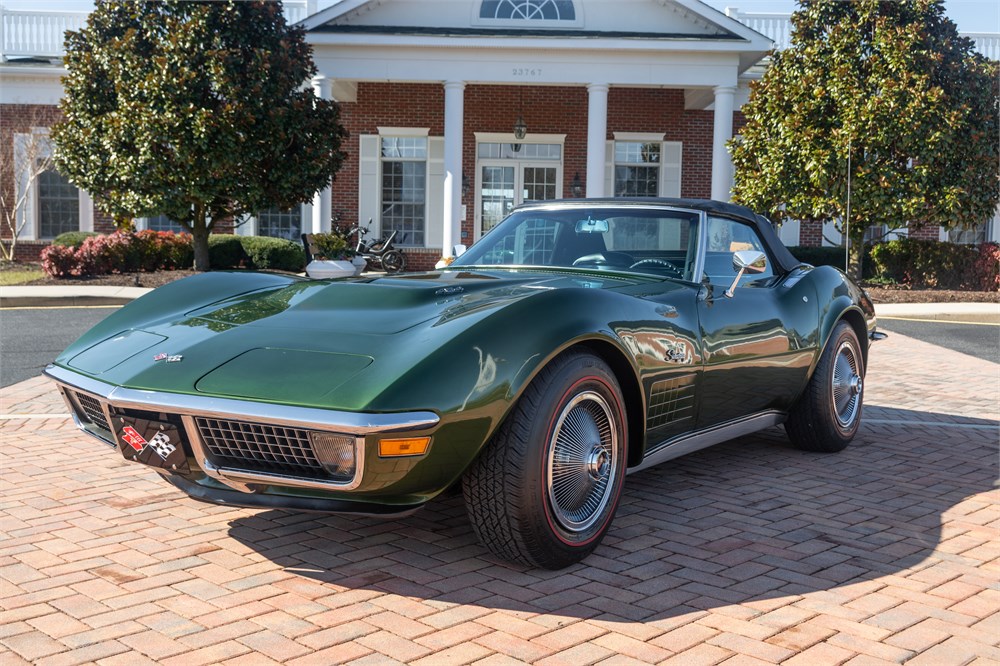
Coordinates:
[828,413]
[393,261]
[545,488]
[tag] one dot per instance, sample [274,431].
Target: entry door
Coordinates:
[504,186]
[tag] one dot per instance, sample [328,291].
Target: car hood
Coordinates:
[303,343]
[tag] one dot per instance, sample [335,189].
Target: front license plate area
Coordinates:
[154,443]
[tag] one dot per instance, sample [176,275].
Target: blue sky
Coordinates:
[969,15]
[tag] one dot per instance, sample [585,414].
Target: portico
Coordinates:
[613,109]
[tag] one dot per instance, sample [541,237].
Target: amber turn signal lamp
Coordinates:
[410,446]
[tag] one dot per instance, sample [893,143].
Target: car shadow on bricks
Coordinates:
[747,521]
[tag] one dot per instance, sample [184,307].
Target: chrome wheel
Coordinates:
[847,385]
[582,464]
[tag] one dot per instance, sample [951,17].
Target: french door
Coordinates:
[503,184]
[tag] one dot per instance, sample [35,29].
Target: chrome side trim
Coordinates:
[237,479]
[694,441]
[353,423]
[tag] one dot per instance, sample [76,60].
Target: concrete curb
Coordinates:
[82,295]
[984,313]
[68,296]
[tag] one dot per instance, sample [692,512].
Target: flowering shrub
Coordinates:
[120,252]
[987,267]
[59,261]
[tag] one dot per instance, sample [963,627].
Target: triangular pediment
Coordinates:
[622,19]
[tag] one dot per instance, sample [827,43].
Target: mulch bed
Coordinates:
[879,294]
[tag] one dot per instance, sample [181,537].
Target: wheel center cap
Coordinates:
[855,385]
[597,463]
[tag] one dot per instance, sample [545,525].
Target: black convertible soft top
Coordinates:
[783,259]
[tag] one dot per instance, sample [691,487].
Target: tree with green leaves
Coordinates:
[881,96]
[200,111]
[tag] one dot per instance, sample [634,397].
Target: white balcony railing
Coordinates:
[39,34]
[779,28]
[36,34]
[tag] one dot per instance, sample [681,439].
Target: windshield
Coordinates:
[652,241]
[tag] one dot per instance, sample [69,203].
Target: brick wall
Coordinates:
[488,108]
[546,110]
[926,233]
[811,234]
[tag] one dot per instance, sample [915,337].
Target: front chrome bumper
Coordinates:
[190,407]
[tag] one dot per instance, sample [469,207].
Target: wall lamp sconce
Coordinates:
[576,187]
[465,185]
[520,128]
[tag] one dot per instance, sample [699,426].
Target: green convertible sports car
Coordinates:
[576,342]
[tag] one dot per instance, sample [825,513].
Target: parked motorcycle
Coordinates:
[379,251]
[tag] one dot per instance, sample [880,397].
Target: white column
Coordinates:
[322,207]
[597,135]
[454,117]
[722,166]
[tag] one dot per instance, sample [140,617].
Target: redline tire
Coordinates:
[545,489]
[828,413]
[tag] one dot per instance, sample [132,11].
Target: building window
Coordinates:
[637,169]
[404,189]
[58,205]
[164,223]
[972,236]
[277,223]
[530,10]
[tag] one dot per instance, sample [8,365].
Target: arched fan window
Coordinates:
[528,10]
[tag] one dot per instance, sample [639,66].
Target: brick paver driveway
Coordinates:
[748,553]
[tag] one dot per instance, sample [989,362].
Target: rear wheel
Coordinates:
[546,487]
[828,414]
[393,261]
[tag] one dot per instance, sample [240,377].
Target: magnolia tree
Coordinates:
[882,97]
[30,157]
[194,110]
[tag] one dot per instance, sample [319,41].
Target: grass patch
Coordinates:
[9,278]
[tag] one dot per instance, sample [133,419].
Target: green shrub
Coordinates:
[831,256]
[177,250]
[925,263]
[226,251]
[819,256]
[273,253]
[73,239]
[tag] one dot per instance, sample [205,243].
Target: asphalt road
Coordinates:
[979,340]
[31,338]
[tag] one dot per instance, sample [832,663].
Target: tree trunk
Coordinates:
[199,238]
[856,256]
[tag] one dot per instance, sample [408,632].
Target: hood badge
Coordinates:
[169,358]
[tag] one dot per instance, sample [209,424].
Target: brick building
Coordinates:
[459,110]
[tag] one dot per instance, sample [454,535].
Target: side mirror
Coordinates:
[746,261]
[460,250]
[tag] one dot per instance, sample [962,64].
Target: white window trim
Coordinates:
[504,137]
[508,137]
[644,137]
[408,132]
[29,209]
[477,21]
[661,171]
[404,132]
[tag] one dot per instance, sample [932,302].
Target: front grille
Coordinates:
[92,411]
[260,447]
